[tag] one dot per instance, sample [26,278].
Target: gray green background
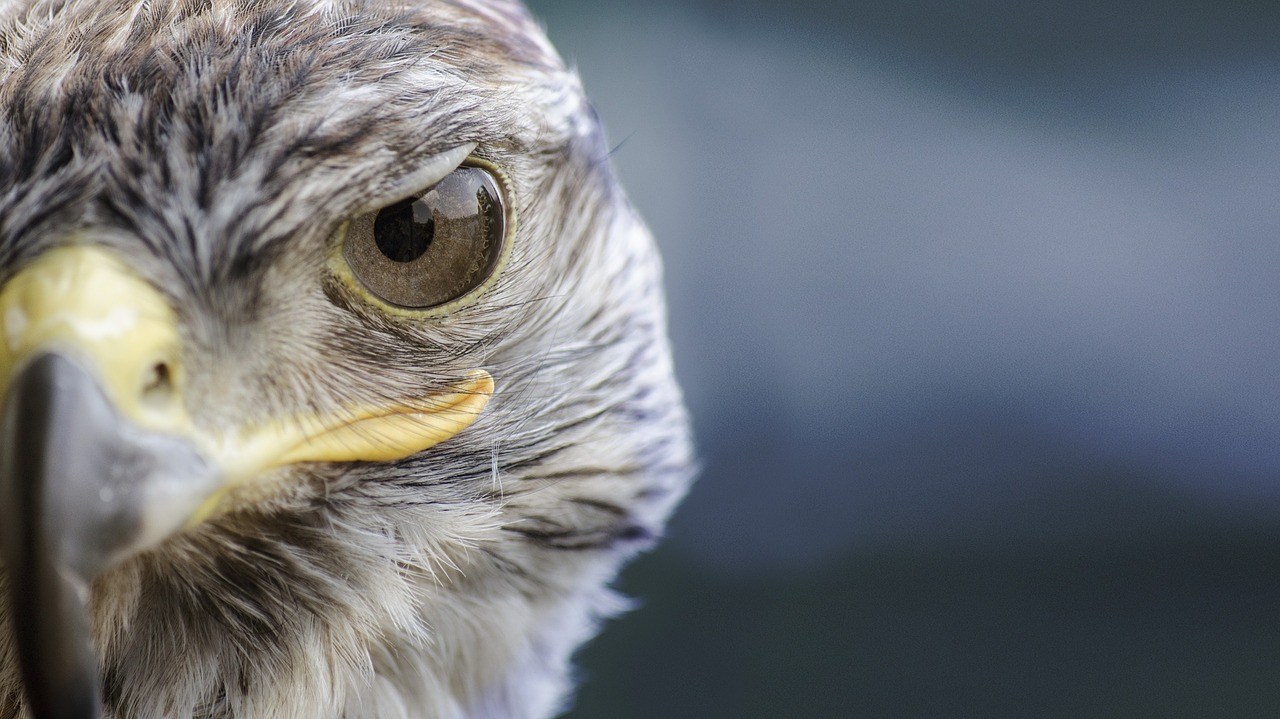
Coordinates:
[976,307]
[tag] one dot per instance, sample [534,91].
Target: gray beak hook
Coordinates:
[39,474]
[76,482]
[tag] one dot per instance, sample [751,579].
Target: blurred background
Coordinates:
[975,303]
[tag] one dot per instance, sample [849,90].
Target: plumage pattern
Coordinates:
[218,145]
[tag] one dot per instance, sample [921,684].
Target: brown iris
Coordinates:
[431,249]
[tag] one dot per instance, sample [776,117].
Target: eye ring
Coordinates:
[434,252]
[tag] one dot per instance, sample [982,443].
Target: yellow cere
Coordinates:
[83,302]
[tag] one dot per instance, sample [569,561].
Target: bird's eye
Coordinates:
[429,250]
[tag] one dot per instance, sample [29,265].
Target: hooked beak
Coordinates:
[100,460]
[76,484]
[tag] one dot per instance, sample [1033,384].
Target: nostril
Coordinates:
[157,384]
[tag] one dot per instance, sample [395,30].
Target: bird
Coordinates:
[334,362]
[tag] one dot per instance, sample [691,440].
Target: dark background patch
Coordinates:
[975,306]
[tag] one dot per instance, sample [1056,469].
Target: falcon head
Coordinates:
[332,357]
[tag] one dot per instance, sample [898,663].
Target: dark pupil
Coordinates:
[404,230]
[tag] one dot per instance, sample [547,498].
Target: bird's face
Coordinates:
[332,359]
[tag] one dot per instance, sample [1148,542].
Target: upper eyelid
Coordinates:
[420,179]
